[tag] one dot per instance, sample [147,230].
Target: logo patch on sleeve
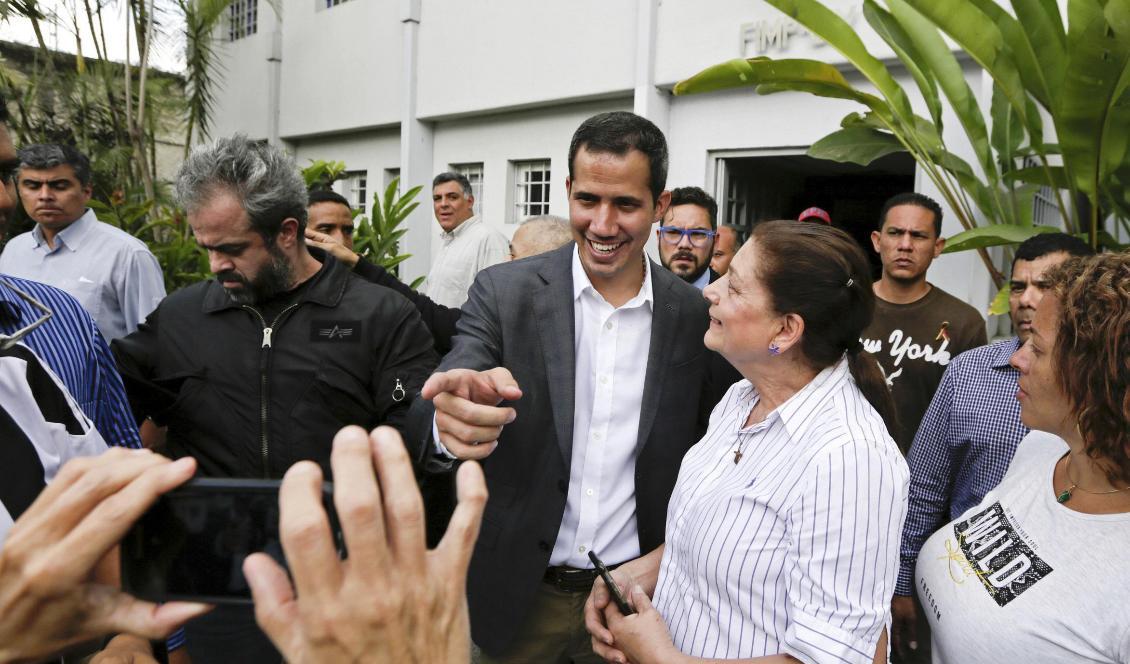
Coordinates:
[335,330]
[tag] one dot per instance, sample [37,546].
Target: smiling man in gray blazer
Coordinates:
[578,377]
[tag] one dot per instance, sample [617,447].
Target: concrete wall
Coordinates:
[242,80]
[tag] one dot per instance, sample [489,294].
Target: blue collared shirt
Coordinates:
[964,445]
[111,273]
[71,345]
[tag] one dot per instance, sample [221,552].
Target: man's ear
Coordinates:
[939,245]
[875,240]
[661,205]
[288,233]
[568,186]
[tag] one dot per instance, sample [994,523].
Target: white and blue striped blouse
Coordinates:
[794,548]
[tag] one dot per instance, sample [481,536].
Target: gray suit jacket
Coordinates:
[520,315]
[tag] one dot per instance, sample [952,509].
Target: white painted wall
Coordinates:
[341,66]
[241,79]
[504,53]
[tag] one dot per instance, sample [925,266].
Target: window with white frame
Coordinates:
[531,189]
[474,174]
[333,3]
[355,187]
[390,175]
[243,19]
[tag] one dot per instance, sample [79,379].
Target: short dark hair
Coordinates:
[449,176]
[327,196]
[696,196]
[913,198]
[3,109]
[49,155]
[617,133]
[1043,244]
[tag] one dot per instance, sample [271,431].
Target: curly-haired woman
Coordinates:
[1037,572]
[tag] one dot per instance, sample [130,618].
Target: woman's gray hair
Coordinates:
[263,178]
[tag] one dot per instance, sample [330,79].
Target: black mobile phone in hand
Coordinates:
[191,543]
[617,596]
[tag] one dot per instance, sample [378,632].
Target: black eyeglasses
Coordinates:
[9,340]
[697,236]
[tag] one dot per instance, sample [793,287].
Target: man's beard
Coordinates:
[274,278]
[689,277]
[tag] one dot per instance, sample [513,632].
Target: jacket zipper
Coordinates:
[264,393]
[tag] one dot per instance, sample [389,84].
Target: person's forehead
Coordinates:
[60,172]
[327,211]
[220,214]
[688,216]
[1031,270]
[630,170]
[449,187]
[909,218]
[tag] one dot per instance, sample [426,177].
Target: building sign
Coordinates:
[779,33]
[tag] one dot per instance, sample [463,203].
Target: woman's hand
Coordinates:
[642,572]
[643,637]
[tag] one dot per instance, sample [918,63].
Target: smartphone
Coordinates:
[191,544]
[617,596]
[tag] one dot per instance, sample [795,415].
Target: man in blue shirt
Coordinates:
[111,273]
[971,429]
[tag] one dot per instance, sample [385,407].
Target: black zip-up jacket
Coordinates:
[249,397]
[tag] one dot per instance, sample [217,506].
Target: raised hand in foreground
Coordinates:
[392,600]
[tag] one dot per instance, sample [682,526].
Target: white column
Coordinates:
[274,78]
[415,152]
[650,102]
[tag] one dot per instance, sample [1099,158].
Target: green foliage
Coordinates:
[165,231]
[1077,76]
[377,237]
[320,175]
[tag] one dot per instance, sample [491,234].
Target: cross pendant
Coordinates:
[737,456]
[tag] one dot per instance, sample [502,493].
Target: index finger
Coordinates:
[473,414]
[403,505]
[503,382]
[305,533]
[444,381]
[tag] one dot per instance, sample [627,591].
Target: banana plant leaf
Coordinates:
[993,236]
[1051,176]
[856,145]
[999,305]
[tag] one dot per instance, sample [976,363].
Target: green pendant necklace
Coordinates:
[1065,495]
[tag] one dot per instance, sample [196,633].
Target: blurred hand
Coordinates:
[904,626]
[467,413]
[392,600]
[48,598]
[125,649]
[331,246]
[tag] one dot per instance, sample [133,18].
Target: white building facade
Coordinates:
[495,89]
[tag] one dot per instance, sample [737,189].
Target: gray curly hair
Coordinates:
[264,179]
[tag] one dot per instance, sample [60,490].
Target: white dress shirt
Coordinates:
[611,346]
[703,280]
[794,548]
[111,273]
[471,247]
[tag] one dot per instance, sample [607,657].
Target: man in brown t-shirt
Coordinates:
[917,327]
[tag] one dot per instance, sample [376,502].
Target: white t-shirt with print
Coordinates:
[1022,578]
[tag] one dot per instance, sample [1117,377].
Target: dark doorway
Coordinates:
[781,186]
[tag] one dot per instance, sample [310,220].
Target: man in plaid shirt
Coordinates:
[969,433]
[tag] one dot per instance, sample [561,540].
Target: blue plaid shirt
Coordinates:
[963,447]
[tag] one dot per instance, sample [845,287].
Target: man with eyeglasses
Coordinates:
[686,238]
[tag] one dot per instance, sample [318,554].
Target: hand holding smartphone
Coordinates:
[613,588]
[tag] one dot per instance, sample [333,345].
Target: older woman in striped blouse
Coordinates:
[783,529]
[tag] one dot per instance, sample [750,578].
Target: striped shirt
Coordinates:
[963,447]
[70,343]
[41,427]
[794,549]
